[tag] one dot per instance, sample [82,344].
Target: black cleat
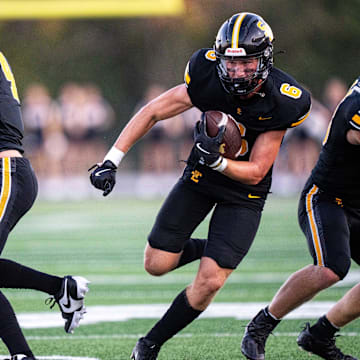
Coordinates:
[324,348]
[145,350]
[256,334]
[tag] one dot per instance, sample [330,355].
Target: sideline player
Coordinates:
[18,192]
[329,216]
[236,77]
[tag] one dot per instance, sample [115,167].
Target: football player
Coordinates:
[18,191]
[329,216]
[236,77]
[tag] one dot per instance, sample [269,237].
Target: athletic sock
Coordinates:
[16,276]
[193,250]
[268,313]
[269,318]
[324,328]
[179,315]
[10,332]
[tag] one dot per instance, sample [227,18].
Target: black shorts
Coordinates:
[331,227]
[232,229]
[18,192]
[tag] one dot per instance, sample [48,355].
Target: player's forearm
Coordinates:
[171,103]
[261,159]
[244,171]
[135,129]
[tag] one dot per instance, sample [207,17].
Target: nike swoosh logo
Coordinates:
[201,149]
[101,171]
[253,196]
[265,118]
[68,304]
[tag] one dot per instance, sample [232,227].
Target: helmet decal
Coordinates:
[266,29]
[235,52]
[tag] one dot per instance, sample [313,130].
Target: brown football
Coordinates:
[231,143]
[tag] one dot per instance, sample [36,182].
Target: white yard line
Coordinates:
[136,336]
[115,313]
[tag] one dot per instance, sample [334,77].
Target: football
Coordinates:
[231,143]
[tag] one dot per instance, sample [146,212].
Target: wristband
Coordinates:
[220,164]
[114,155]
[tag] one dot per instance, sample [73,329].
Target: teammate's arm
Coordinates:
[171,103]
[353,137]
[167,105]
[261,159]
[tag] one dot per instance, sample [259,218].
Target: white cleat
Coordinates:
[70,299]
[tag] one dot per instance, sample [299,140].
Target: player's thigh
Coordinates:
[325,225]
[18,192]
[232,231]
[181,213]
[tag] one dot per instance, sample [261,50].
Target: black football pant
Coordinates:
[18,192]
[331,227]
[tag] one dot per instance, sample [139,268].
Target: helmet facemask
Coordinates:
[251,80]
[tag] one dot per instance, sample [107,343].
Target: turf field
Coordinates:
[103,240]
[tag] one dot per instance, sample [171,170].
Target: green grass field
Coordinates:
[104,239]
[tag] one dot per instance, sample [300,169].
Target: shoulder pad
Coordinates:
[293,100]
[351,107]
[197,59]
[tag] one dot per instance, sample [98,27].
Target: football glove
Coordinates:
[207,149]
[103,176]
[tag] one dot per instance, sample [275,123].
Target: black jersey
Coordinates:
[281,104]
[11,125]
[337,171]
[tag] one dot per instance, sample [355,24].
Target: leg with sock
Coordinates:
[324,328]
[319,339]
[10,332]
[15,275]
[178,316]
[256,334]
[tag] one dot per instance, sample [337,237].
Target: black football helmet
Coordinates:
[244,35]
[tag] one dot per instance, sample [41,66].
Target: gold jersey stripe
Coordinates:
[313,227]
[9,76]
[300,120]
[187,77]
[236,30]
[6,186]
[327,133]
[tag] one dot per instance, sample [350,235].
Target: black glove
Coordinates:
[207,149]
[103,177]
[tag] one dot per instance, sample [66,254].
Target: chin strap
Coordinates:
[261,94]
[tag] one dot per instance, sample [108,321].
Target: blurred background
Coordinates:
[84,67]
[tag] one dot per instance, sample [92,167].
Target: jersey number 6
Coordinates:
[290,91]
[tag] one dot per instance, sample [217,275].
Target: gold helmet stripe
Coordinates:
[236,30]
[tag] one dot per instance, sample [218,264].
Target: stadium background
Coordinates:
[127,51]
[122,52]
